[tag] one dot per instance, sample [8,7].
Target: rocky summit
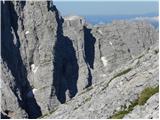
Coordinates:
[64,67]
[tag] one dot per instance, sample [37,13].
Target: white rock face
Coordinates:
[110,43]
[100,32]
[31,93]
[34,68]
[27,32]
[104,61]
[103,75]
[34,90]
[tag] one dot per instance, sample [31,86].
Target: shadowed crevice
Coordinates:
[4,116]
[89,42]
[89,47]
[11,55]
[89,78]
[66,68]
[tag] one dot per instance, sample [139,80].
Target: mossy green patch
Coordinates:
[79,105]
[122,113]
[117,75]
[122,73]
[139,57]
[142,99]
[146,94]
[88,99]
[86,90]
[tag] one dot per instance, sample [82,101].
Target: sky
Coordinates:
[106,7]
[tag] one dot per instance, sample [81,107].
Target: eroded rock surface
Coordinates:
[29,35]
[149,111]
[47,60]
[122,87]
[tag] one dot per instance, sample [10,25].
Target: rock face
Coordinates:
[29,35]
[101,49]
[148,111]
[47,60]
[83,43]
[120,89]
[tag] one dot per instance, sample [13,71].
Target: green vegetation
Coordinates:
[122,73]
[86,90]
[122,113]
[117,75]
[140,56]
[143,97]
[146,94]
[88,99]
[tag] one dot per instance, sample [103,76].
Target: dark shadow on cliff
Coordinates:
[89,78]
[4,116]
[11,55]
[89,42]
[89,47]
[66,68]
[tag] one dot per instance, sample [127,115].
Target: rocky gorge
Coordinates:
[64,67]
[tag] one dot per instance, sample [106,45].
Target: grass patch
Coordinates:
[89,88]
[140,56]
[86,90]
[146,94]
[122,113]
[143,97]
[86,100]
[117,75]
[122,73]
[119,115]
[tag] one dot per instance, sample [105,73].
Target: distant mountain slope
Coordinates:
[108,19]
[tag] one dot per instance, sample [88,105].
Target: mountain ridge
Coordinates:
[47,61]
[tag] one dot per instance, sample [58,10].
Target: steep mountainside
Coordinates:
[30,33]
[126,90]
[65,68]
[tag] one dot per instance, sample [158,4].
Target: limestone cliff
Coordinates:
[66,68]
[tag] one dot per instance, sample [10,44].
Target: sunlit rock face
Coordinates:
[117,95]
[29,31]
[48,60]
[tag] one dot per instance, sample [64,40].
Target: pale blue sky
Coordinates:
[93,7]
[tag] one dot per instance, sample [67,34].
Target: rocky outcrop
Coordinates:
[117,92]
[83,43]
[47,61]
[29,35]
[148,111]
[101,49]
